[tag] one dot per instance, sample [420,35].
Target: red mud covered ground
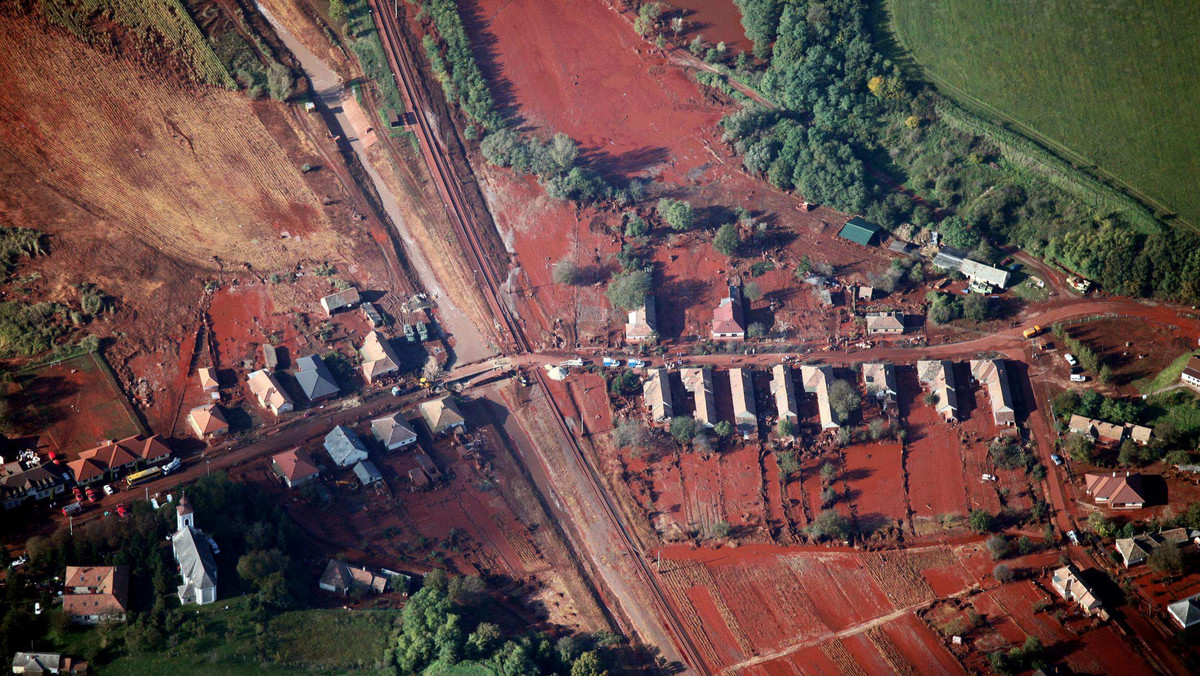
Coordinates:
[935,467]
[715,20]
[875,476]
[637,114]
[730,600]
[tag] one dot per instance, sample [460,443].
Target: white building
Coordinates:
[195,558]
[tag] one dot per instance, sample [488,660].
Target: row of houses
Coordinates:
[880,379]
[938,377]
[113,459]
[1110,433]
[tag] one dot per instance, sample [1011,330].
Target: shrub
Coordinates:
[566,272]
[997,546]
[727,240]
[723,429]
[1003,573]
[843,399]
[630,433]
[683,428]
[981,521]
[829,525]
[628,290]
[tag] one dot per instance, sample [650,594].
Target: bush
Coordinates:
[997,546]
[756,330]
[723,429]
[786,428]
[566,272]
[1003,573]
[634,225]
[630,434]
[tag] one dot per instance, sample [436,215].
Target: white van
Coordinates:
[1078,378]
[1071,359]
[172,466]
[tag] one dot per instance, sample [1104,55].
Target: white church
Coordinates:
[195,558]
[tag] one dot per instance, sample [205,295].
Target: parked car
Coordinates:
[91,494]
[1071,359]
[109,490]
[78,493]
[172,466]
[1072,537]
[1078,378]
[989,477]
[121,510]
[1056,458]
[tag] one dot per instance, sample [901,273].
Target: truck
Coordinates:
[609,362]
[1078,378]
[172,466]
[1032,331]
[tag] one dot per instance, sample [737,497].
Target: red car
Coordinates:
[121,511]
[91,494]
[78,493]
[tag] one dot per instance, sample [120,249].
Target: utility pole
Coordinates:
[71,523]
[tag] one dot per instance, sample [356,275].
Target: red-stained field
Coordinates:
[936,483]
[731,601]
[875,476]
[636,113]
[75,405]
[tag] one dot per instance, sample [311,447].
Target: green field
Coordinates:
[1114,83]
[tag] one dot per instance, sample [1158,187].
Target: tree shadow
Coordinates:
[484,46]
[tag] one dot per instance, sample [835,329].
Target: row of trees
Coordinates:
[459,74]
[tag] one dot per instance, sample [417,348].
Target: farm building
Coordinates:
[938,376]
[745,417]
[208,379]
[340,301]
[727,322]
[1097,430]
[95,594]
[861,231]
[1186,612]
[378,357]
[642,324]
[268,392]
[993,375]
[294,467]
[36,664]
[372,314]
[1067,582]
[885,323]
[393,431]
[314,378]
[1115,490]
[1191,373]
[783,388]
[816,380]
[194,556]
[699,383]
[656,394]
[342,578]
[344,447]
[270,357]
[880,380]
[1138,548]
[953,259]
[368,474]
[442,415]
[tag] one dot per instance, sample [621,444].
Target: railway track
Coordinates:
[444,176]
[399,58]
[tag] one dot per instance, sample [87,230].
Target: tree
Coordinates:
[634,225]
[752,292]
[1101,525]
[588,664]
[1165,559]
[756,330]
[683,428]
[466,591]
[628,290]
[997,546]
[786,428]
[977,307]
[337,11]
[829,525]
[566,272]
[677,214]
[843,399]
[829,472]
[876,428]
[625,383]
[723,429]
[630,434]
[981,521]
[1003,573]
[1079,448]
[727,240]
[647,18]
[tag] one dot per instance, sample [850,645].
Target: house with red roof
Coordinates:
[728,322]
[93,594]
[295,467]
[1116,490]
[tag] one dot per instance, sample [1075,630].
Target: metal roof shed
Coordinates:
[860,231]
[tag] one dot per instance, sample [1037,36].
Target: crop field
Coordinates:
[1117,93]
[729,600]
[75,404]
